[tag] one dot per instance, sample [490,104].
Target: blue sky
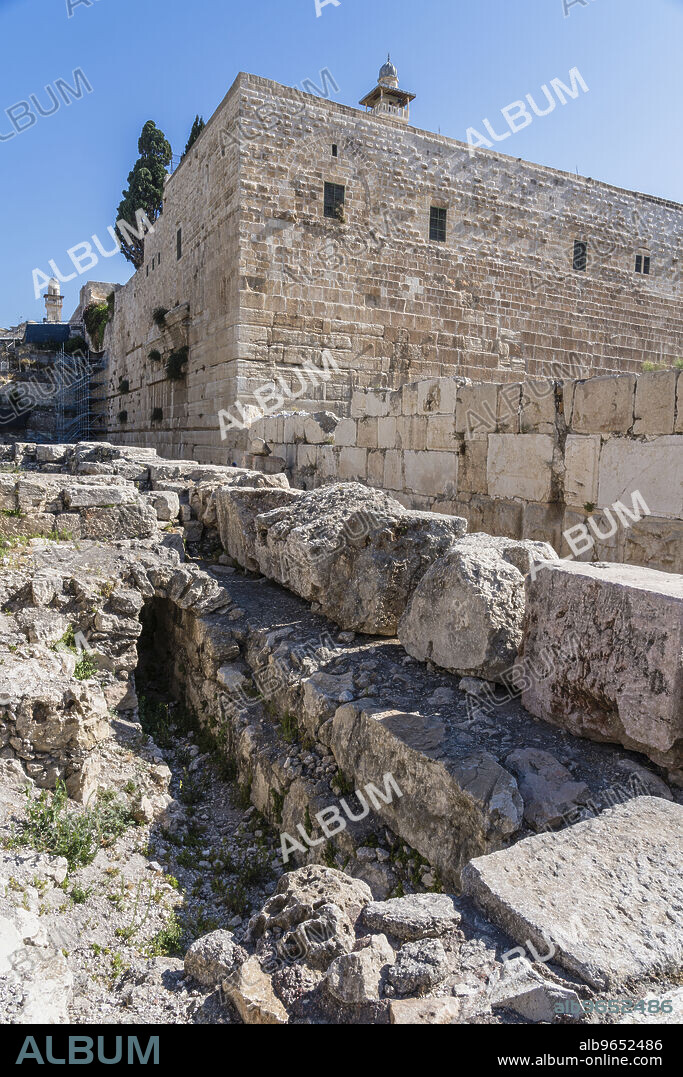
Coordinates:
[61,178]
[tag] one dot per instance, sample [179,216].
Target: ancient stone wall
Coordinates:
[525,460]
[266,283]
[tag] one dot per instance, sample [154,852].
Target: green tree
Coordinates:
[145,189]
[197,128]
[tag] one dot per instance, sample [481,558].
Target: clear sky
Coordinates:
[61,178]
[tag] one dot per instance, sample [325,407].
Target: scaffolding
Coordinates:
[74,397]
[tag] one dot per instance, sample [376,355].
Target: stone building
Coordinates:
[298,229]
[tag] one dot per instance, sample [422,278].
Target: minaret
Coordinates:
[387,99]
[53,302]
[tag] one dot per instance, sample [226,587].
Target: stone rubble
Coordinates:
[311,709]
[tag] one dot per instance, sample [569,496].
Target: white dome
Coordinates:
[388,71]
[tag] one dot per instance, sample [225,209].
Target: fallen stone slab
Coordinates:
[454,804]
[602,897]
[250,989]
[548,790]
[522,989]
[602,655]
[466,613]
[356,978]
[417,916]
[353,550]
[237,509]
[417,1011]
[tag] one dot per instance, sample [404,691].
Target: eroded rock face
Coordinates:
[314,912]
[353,550]
[466,612]
[598,895]
[615,633]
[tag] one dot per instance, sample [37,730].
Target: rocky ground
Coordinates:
[165,720]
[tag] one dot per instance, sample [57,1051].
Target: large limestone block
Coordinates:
[538,408]
[355,551]
[85,497]
[137,520]
[654,469]
[520,466]
[655,406]
[237,509]
[453,805]
[477,410]
[581,460]
[466,612]
[615,634]
[655,542]
[602,894]
[604,405]
[432,473]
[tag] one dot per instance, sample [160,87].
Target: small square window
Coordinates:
[179,244]
[580,256]
[335,150]
[335,198]
[643,264]
[437,224]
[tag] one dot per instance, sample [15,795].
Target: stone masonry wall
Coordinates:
[527,460]
[266,283]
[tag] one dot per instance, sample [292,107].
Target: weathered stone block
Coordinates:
[367,433]
[538,415]
[597,895]
[652,468]
[581,461]
[346,434]
[376,468]
[604,405]
[432,473]
[655,402]
[353,464]
[441,432]
[477,410]
[466,613]
[237,509]
[354,550]
[393,471]
[616,634]
[543,523]
[386,433]
[520,466]
[472,466]
[451,807]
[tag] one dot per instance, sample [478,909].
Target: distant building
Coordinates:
[298,227]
